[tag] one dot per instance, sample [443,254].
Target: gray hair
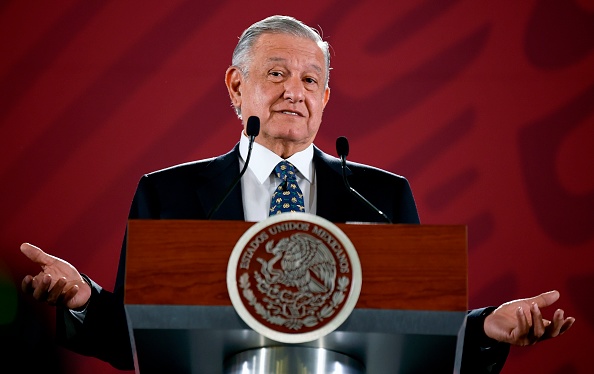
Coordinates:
[276,25]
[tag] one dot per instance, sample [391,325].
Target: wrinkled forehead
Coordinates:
[275,47]
[312,66]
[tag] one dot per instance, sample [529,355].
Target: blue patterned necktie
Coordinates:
[287,197]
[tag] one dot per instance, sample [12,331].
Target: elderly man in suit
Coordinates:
[279,73]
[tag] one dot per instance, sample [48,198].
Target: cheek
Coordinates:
[261,99]
[253,104]
[316,108]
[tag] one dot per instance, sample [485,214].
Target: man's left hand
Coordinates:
[520,322]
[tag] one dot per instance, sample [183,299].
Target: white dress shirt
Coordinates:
[259,181]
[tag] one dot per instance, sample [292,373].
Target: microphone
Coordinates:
[342,148]
[252,129]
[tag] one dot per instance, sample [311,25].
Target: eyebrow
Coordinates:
[316,67]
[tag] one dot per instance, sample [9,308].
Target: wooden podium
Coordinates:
[409,318]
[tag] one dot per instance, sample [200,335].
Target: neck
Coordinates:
[285,149]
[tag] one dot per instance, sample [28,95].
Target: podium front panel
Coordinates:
[409,318]
[196,339]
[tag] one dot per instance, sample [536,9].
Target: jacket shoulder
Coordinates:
[208,166]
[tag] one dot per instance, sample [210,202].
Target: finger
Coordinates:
[67,297]
[55,293]
[547,298]
[560,324]
[538,325]
[41,286]
[558,320]
[555,327]
[26,284]
[35,254]
[70,293]
[566,324]
[520,332]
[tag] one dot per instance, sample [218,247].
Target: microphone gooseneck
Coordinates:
[342,149]
[252,129]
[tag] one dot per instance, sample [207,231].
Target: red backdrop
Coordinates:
[487,108]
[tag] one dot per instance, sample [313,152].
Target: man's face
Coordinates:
[285,88]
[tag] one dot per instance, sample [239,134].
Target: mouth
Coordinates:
[292,113]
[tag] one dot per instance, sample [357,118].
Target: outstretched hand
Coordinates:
[520,322]
[58,282]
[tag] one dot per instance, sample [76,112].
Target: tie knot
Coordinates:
[285,170]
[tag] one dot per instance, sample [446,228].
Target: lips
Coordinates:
[291,113]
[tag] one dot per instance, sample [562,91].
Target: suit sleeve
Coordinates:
[481,354]
[104,332]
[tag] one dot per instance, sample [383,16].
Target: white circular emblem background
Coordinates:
[334,321]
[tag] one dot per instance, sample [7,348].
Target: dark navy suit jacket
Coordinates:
[189,191]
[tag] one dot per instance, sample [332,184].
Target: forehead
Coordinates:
[286,48]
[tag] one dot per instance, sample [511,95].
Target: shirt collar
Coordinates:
[263,160]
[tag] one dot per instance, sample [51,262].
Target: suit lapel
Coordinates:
[331,192]
[333,199]
[214,182]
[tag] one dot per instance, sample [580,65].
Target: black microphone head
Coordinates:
[342,146]
[253,126]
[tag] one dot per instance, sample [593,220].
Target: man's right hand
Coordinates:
[58,282]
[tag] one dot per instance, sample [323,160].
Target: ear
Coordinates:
[326,96]
[233,80]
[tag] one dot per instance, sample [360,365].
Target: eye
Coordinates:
[275,75]
[310,83]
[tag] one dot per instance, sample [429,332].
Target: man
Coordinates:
[279,73]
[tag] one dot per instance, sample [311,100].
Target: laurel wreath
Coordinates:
[295,323]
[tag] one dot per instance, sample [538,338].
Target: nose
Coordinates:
[294,90]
